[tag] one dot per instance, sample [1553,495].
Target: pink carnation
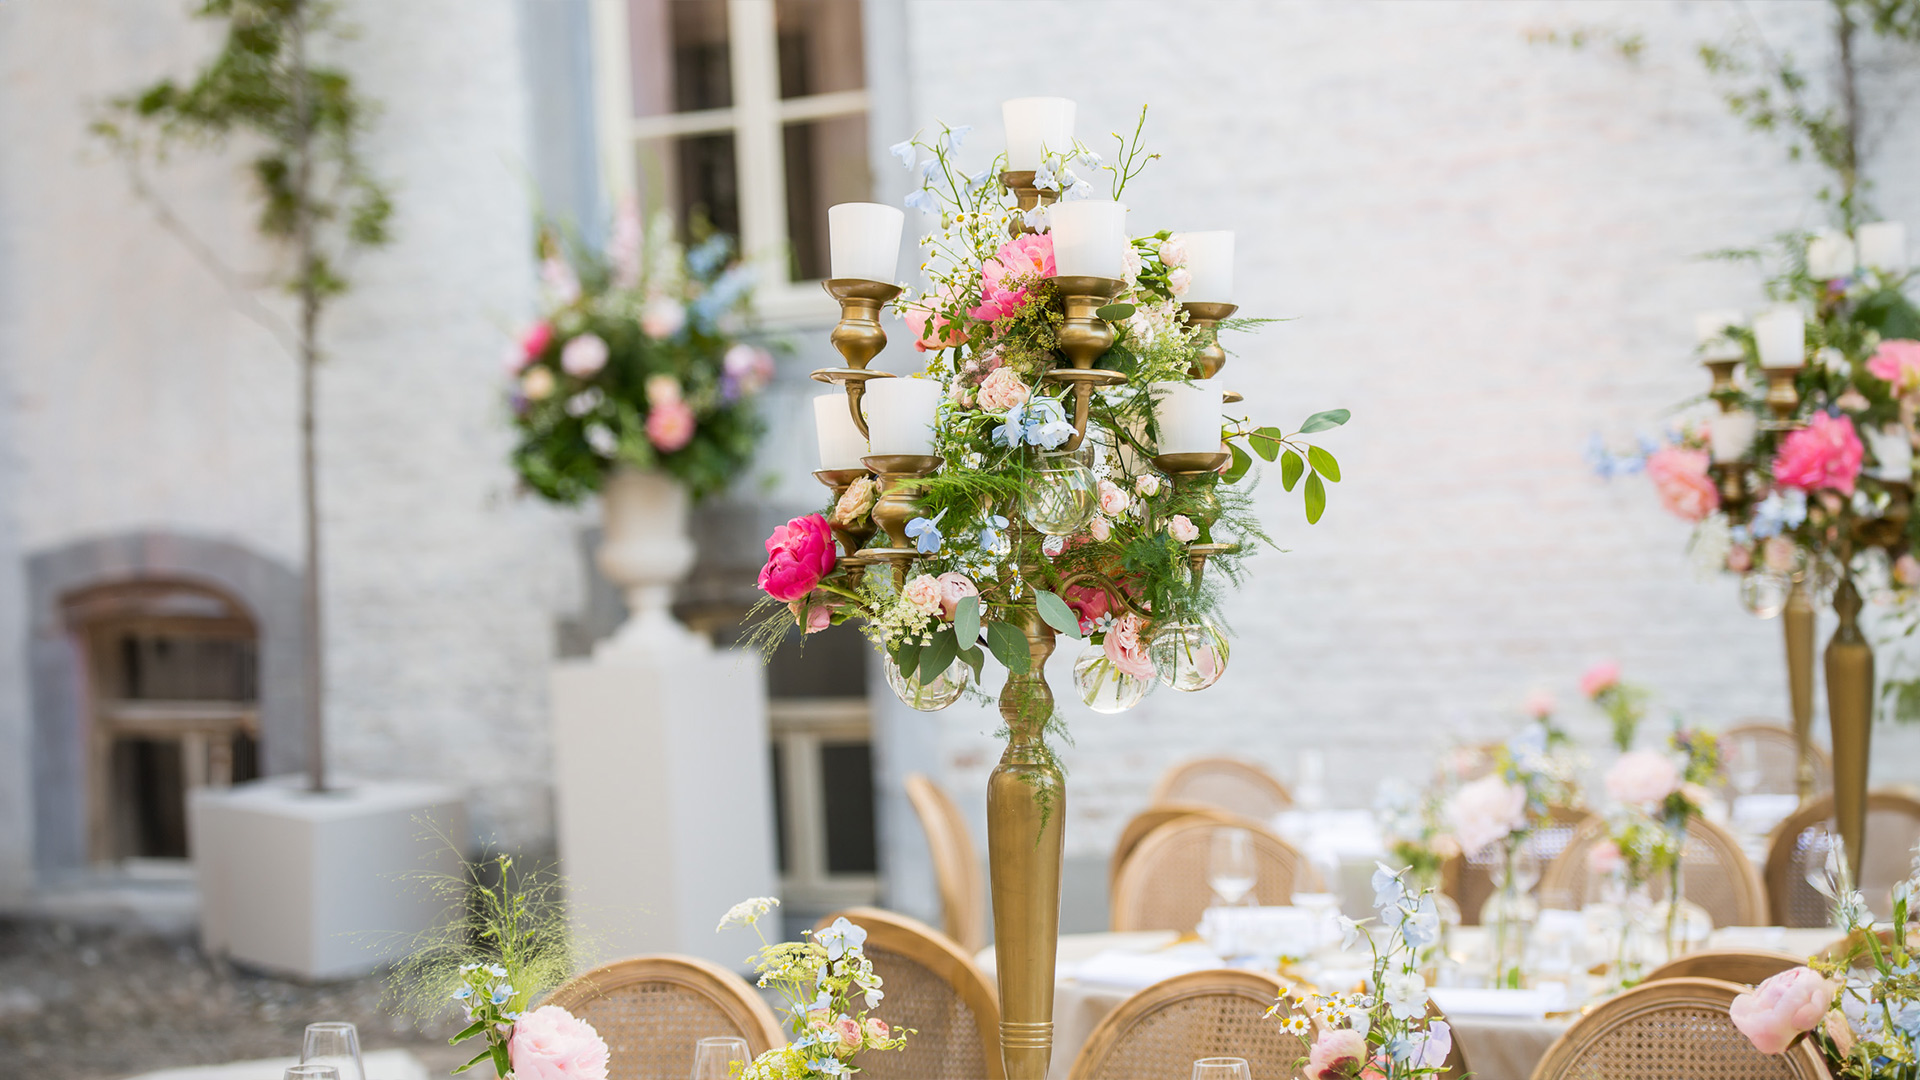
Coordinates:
[550,1043]
[1897,362]
[1124,647]
[799,554]
[1680,477]
[670,426]
[1539,705]
[1824,454]
[1782,1008]
[1005,278]
[1604,675]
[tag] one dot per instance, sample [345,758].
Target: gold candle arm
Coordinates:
[1797,623]
[1189,471]
[1084,335]
[1782,397]
[851,540]
[1082,382]
[896,507]
[1850,712]
[1205,316]
[1116,597]
[858,336]
[1028,197]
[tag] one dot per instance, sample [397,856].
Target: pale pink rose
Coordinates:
[584,355]
[814,617]
[877,1029]
[1604,858]
[849,1031]
[1642,778]
[1147,484]
[1002,390]
[1840,1031]
[923,592]
[1906,570]
[1897,362]
[818,1019]
[1113,499]
[1782,1008]
[931,330]
[661,389]
[856,502]
[1173,251]
[670,426]
[1126,649]
[954,587]
[1179,281]
[662,317]
[1005,278]
[537,384]
[1778,553]
[1485,811]
[1680,478]
[1601,676]
[1336,1054]
[1739,558]
[1100,528]
[1183,529]
[1539,705]
[550,1043]
[1824,454]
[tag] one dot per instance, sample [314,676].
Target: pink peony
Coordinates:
[1002,390]
[1485,811]
[1088,603]
[1183,529]
[931,330]
[550,1043]
[1336,1054]
[811,616]
[923,592]
[1897,362]
[584,355]
[799,554]
[1113,499]
[1782,1008]
[1824,454]
[1604,675]
[1680,477]
[1539,705]
[1125,648]
[670,426]
[1604,858]
[535,340]
[954,587]
[1642,778]
[1005,278]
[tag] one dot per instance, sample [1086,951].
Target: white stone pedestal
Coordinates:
[321,886]
[662,794]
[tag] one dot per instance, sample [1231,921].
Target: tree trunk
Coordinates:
[313,677]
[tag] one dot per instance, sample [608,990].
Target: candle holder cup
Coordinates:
[1783,398]
[1205,316]
[1192,473]
[851,540]
[858,336]
[896,507]
[1020,182]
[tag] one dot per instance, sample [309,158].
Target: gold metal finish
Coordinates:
[1189,472]
[1203,316]
[1084,336]
[1731,479]
[1889,530]
[851,540]
[896,507]
[1782,397]
[1083,381]
[1850,712]
[1028,196]
[1198,554]
[859,335]
[1722,376]
[1231,397]
[1797,621]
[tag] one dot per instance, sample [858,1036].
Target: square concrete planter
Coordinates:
[321,886]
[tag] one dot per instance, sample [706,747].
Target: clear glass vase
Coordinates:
[1509,914]
[943,691]
[1679,927]
[1105,688]
[1065,493]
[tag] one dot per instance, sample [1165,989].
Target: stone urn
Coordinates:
[645,550]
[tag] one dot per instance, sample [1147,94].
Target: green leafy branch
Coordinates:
[1296,456]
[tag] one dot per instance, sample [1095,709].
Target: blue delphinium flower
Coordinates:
[1044,179]
[1046,423]
[501,993]
[1387,889]
[840,937]
[705,258]
[903,151]
[952,138]
[925,533]
[978,181]
[992,539]
[920,199]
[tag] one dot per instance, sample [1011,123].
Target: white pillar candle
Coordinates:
[1782,337]
[1731,435]
[1883,246]
[841,444]
[1710,329]
[1089,237]
[1893,452]
[863,240]
[900,415]
[1035,126]
[1829,255]
[1189,415]
[1209,265]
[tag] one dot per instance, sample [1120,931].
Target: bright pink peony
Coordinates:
[535,341]
[1336,1054]
[550,1043]
[1824,454]
[931,330]
[799,554]
[1125,648]
[1897,362]
[1604,675]
[1679,475]
[954,587]
[1642,778]
[670,426]
[1088,603]
[1782,1008]
[1005,278]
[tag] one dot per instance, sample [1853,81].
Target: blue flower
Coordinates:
[496,971]
[927,539]
[992,539]
[708,257]
[1779,512]
[463,993]
[501,994]
[954,137]
[1421,926]
[842,935]
[920,199]
[1047,425]
[1387,889]
[903,151]
[926,169]
[979,181]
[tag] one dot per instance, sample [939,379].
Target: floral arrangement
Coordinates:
[1624,703]
[1413,822]
[1659,793]
[1384,1031]
[819,980]
[637,361]
[1531,772]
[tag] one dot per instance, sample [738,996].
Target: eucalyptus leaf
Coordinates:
[1057,613]
[1266,442]
[1323,463]
[906,657]
[1291,466]
[936,657]
[1242,461]
[1316,498]
[1114,312]
[1321,421]
[1009,646]
[966,620]
[974,658]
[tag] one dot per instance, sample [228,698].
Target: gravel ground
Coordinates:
[100,1004]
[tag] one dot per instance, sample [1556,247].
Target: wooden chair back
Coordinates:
[1748,967]
[1144,822]
[1779,754]
[1239,787]
[1162,1030]
[1468,879]
[1163,884]
[956,862]
[653,1011]
[933,987]
[1718,875]
[1893,828]
[1673,1029]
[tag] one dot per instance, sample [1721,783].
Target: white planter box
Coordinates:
[321,886]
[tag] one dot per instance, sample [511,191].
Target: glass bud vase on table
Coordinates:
[943,691]
[1189,653]
[1104,687]
[1509,914]
[714,1057]
[334,1043]
[1682,926]
[1065,493]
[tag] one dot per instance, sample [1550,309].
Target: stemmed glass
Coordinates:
[334,1043]
[311,1072]
[1745,766]
[1230,870]
[1222,1068]
[713,1058]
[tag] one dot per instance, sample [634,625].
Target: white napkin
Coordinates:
[1524,1004]
[1756,815]
[1267,931]
[1124,970]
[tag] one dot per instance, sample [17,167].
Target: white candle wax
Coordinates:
[900,415]
[1089,237]
[1209,265]
[1883,246]
[864,240]
[1782,337]
[1036,125]
[841,444]
[1189,415]
[1893,452]
[1829,255]
[1709,328]
[1731,435]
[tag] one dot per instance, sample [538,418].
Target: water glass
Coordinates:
[713,1058]
[1310,786]
[1230,869]
[1222,1068]
[334,1043]
[1744,765]
[312,1072]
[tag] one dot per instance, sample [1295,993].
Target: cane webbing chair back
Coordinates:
[956,865]
[1748,967]
[1779,754]
[1162,1030]
[1233,785]
[1144,822]
[1716,874]
[933,987]
[1893,827]
[1468,879]
[654,1010]
[1163,885]
[1674,1029]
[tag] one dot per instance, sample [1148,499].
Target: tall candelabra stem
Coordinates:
[1797,622]
[1850,713]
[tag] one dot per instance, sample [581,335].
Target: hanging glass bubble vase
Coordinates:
[943,691]
[1190,653]
[1103,687]
[1064,494]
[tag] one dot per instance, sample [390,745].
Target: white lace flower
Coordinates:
[747,912]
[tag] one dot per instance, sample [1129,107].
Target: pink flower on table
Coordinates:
[1113,499]
[1906,570]
[749,367]
[1336,1054]
[811,616]
[1897,362]
[1183,529]
[1088,603]
[1126,649]
[1604,675]
[661,389]
[923,592]
[550,1043]
[1486,811]
[1824,454]
[1005,278]
[1539,705]
[818,1019]
[1783,1008]
[1642,778]
[1680,477]
[877,1029]
[849,1031]
[799,554]
[1002,390]
[584,355]
[670,426]
[931,330]
[954,587]
[1604,858]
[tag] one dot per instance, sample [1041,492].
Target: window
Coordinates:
[748,115]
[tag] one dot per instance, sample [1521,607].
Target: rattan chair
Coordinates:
[1779,756]
[1718,875]
[1152,818]
[1893,827]
[1749,967]
[653,1011]
[1163,884]
[1162,1030]
[1468,879]
[1236,786]
[956,865]
[933,987]
[1674,1029]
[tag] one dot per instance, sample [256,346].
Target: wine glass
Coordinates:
[1230,870]
[1310,792]
[1222,1068]
[1743,756]
[311,1072]
[335,1043]
[713,1058]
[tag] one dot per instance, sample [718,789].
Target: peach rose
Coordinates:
[923,593]
[849,1031]
[1485,811]
[537,384]
[954,587]
[1183,529]
[1604,858]
[1002,390]
[856,502]
[1783,1008]
[877,1029]
[1099,528]
[1126,650]
[1642,778]
[1113,499]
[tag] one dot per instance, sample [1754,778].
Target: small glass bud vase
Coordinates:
[1103,687]
[1764,593]
[1190,654]
[1065,493]
[943,691]
[1511,911]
